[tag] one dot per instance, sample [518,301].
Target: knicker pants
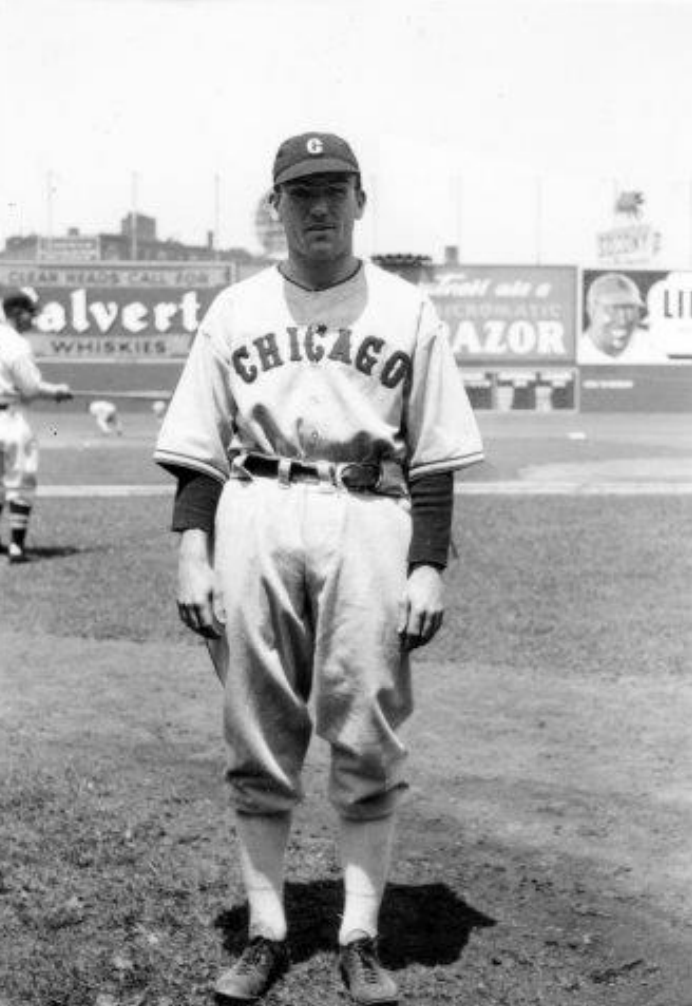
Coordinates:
[18,457]
[311,578]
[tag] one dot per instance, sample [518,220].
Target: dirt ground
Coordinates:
[543,855]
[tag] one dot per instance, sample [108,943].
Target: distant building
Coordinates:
[137,240]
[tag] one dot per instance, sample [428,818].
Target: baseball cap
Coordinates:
[23,299]
[616,287]
[313,154]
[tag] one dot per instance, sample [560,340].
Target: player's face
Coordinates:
[614,319]
[319,213]
[24,321]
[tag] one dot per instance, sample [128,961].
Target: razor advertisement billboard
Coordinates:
[508,314]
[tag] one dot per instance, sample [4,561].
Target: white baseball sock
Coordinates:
[366,849]
[262,842]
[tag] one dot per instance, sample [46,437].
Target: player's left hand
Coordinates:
[421,609]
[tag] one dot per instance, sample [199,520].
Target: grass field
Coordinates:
[543,856]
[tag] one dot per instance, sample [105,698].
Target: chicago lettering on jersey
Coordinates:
[321,345]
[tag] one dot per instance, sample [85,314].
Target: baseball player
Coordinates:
[314,433]
[106,415]
[20,382]
[159,409]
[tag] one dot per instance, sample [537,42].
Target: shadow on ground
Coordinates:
[425,924]
[39,553]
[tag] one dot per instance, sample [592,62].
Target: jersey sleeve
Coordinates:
[26,376]
[199,423]
[441,430]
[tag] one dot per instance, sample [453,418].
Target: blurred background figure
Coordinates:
[106,416]
[21,382]
[159,409]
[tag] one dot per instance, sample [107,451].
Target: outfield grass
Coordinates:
[561,583]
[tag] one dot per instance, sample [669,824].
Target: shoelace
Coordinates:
[366,961]
[255,953]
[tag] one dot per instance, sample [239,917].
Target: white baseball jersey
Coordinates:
[19,375]
[106,415]
[103,410]
[359,372]
[20,379]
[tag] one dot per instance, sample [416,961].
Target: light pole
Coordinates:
[133,216]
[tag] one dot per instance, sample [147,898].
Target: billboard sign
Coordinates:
[508,314]
[117,312]
[629,244]
[73,248]
[636,317]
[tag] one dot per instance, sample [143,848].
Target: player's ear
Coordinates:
[361,201]
[273,200]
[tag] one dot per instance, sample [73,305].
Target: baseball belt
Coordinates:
[386,478]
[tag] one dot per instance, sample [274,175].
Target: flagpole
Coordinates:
[538,222]
[133,216]
[217,213]
[49,204]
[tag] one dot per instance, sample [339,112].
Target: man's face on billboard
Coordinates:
[614,318]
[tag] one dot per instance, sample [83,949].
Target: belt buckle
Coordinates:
[342,470]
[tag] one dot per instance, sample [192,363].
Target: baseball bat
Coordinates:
[108,394]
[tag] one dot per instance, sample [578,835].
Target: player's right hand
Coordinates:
[199,601]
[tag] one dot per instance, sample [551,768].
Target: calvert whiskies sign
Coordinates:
[508,314]
[121,312]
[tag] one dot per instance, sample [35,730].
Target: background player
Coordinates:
[318,396]
[20,382]
[159,409]
[106,415]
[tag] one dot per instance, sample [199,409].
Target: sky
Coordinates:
[504,128]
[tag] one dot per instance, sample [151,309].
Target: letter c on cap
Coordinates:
[314,145]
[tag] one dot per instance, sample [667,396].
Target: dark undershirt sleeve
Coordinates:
[432,502]
[196,499]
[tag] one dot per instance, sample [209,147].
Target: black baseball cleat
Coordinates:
[366,980]
[16,554]
[261,963]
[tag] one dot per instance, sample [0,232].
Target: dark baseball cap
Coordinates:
[23,299]
[313,154]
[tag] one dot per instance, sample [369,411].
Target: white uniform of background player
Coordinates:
[106,415]
[289,396]
[20,382]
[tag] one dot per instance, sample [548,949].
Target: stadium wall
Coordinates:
[519,332]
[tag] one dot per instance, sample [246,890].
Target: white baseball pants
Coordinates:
[311,578]
[18,457]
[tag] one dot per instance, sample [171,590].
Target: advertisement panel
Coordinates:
[508,314]
[117,312]
[621,388]
[636,318]
[73,248]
